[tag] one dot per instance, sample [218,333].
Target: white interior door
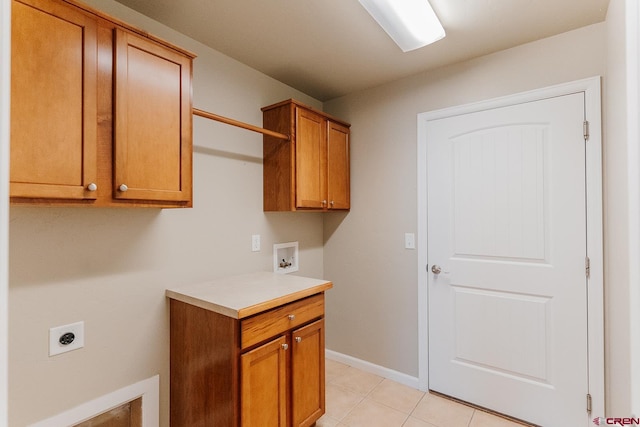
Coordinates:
[506,224]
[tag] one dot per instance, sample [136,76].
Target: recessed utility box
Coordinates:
[285,257]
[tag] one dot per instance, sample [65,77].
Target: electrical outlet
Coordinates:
[66,338]
[255,243]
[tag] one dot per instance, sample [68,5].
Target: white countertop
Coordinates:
[248,294]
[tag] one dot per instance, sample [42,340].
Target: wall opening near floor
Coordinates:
[132,406]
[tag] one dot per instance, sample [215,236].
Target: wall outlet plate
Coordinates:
[66,338]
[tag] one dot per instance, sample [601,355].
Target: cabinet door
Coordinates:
[311,158]
[53,101]
[264,385]
[152,154]
[338,182]
[307,374]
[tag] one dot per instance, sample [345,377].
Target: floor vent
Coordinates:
[136,405]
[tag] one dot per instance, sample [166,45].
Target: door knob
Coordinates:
[435,269]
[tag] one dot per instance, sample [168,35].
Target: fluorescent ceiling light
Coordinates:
[410,23]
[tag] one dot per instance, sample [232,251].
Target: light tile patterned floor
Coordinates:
[356,398]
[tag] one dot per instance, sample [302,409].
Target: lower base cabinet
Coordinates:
[263,371]
[264,385]
[307,374]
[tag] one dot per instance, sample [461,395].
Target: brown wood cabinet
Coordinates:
[100,111]
[263,370]
[307,374]
[53,101]
[311,170]
[264,385]
[150,153]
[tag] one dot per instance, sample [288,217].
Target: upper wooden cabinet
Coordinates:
[100,112]
[152,121]
[338,182]
[53,101]
[311,170]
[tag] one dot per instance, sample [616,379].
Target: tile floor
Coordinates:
[356,398]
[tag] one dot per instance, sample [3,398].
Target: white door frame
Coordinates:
[595,321]
[5,107]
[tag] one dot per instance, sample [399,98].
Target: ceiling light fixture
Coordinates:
[410,23]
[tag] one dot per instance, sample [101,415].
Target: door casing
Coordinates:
[591,89]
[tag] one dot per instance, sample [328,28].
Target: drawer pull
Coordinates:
[298,339]
[285,346]
[292,316]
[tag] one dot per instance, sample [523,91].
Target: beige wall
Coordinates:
[372,310]
[616,220]
[110,267]
[621,209]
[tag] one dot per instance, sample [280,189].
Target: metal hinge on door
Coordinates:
[588,403]
[587,267]
[585,128]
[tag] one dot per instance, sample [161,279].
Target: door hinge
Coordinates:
[588,403]
[587,267]
[585,129]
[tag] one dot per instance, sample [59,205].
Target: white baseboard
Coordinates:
[381,371]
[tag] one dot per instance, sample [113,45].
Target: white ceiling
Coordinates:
[329,48]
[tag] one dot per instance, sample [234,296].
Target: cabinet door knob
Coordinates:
[324,203]
[298,339]
[285,346]
[291,316]
[332,203]
[92,186]
[123,187]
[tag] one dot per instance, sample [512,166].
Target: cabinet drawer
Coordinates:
[273,322]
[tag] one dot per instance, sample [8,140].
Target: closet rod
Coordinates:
[239,124]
